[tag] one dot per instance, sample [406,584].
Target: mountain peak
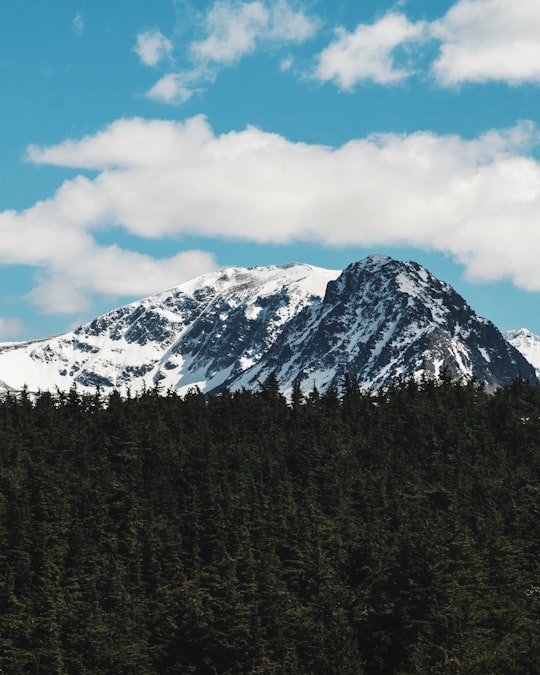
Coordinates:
[528,344]
[377,320]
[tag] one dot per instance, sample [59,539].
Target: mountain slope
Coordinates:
[377,320]
[528,344]
[202,332]
[383,319]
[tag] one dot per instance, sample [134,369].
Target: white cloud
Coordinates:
[485,40]
[55,239]
[480,41]
[10,328]
[173,88]
[55,235]
[78,25]
[286,64]
[478,200]
[368,52]
[231,30]
[111,271]
[152,47]
[290,25]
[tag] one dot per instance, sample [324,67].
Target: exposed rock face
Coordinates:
[383,319]
[377,320]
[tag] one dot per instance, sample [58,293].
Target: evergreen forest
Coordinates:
[343,532]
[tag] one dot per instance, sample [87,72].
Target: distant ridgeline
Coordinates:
[338,533]
[378,320]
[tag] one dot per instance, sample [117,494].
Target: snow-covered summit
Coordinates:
[196,333]
[377,320]
[382,319]
[528,344]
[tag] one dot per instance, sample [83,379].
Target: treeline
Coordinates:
[339,533]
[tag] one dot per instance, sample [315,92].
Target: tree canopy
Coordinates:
[341,532]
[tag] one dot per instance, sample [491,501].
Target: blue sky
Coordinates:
[144,143]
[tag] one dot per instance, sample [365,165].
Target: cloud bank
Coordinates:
[478,200]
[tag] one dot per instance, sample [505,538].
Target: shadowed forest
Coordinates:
[342,532]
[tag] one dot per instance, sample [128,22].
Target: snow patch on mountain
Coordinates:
[376,320]
[528,344]
[195,334]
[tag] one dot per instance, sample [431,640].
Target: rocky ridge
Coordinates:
[377,320]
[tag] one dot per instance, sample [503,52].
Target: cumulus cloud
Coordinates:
[52,237]
[290,25]
[478,200]
[483,40]
[152,47]
[231,30]
[174,88]
[479,41]
[368,52]
[112,272]
[56,236]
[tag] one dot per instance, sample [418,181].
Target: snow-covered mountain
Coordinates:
[377,320]
[528,344]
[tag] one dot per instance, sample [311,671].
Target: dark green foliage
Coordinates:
[341,533]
